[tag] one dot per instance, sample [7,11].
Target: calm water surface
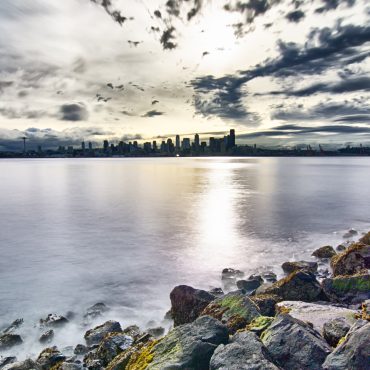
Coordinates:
[125,231]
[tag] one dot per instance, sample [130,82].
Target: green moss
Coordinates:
[360,283]
[341,340]
[142,359]
[234,304]
[260,323]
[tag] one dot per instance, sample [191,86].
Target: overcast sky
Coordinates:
[280,72]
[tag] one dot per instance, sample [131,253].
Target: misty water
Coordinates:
[74,232]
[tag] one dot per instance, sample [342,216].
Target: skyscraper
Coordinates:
[232,138]
[177,142]
[196,141]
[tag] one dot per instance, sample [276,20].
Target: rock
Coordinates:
[269,276]
[353,352]
[13,326]
[298,286]
[217,292]
[22,365]
[324,252]
[111,346]
[289,267]
[347,289]
[341,248]
[9,340]
[229,277]
[365,310]
[353,260]
[294,345]
[96,310]
[266,303]
[317,313]
[133,331]
[6,361]
[47,337]
[48,358]
[260,324]
[187,303]
[334,330]
[94,336]
[251,284]
[70,366]
[350,233]
[234,309]
[188,346]
[80,349]
[53,321]
[365,239]
[156,332]
[245,352]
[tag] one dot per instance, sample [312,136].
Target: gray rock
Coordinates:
[96,310]
[47,337]
[217,292]
[156,332]
[354,352]
[80,349]
[187,303]
[350,233]
[189,346]
[71,366]
[229,277]
[289,267]
[294,345]
[340,248]
[324,252]
[6,361]
[9,340]
[22,365]
[13,326]
[245,352]
[94,336]
[49,357]
[269,276]
[334,330]
[249,285]
[53,321]
[317,313]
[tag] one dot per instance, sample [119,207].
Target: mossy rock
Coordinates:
[352,261]
[326,251]
[260,324]
[365,239]
[348,289]
[266,303]
[235,310]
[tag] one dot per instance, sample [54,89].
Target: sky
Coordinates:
[279,72]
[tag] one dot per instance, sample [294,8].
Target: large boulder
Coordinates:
[298,286]
[94,336]
[245,352]
[365,239]
[188,346]
[234,309]
[187,303]
[9,340]
[353,352]
[294,345]
[353,260]
[347,289]
[317,313]
[289,267]
[334,330]
[13,326]
[251,284]
[22,365]
[324,252]
[48,358]
[6,361]
[266,303]
[53,321]
[47,336]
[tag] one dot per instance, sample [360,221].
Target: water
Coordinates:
[74,232]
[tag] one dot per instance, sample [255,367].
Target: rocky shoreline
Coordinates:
[316,317]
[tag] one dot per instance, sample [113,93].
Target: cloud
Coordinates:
[333,4]
[295,16]
[167,39]
[73,112]
[25,113]
[115,14]
[4,85]
[153,113]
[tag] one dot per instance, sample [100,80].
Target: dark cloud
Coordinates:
[4,85]
[153,113]
[333,4]
[73,112]
[167,39]
[22,113]
[295,16]
[79,66]
[115,14]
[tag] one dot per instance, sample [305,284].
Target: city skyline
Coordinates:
[279,72]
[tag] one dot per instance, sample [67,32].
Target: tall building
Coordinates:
[83,146]
[196,141]
[185,143]
[105,145]
[232,138]
[90,146]
[177,142]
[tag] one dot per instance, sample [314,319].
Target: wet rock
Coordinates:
[71,366]
[80,349]
[353,260]
[347,289]
[6,361]
[294,345]
[365,239]
[245,352]
[251,284]
[156,332]
[13,326]
[350,233]
[188,346]
[353,352]
[133,331]
[334,330]
[341,248]
[234,309]
[9,340]
[96,310]
[94,336]
[266,303]
[365,310]
[289,267]
[217,292]
[317,313]
[49,357]
[22,365]
[324,252]
[111,346]
[53,321]
[260,324]
[47,337]
[269,276]
[187,303]
[229,277]
[298,286]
